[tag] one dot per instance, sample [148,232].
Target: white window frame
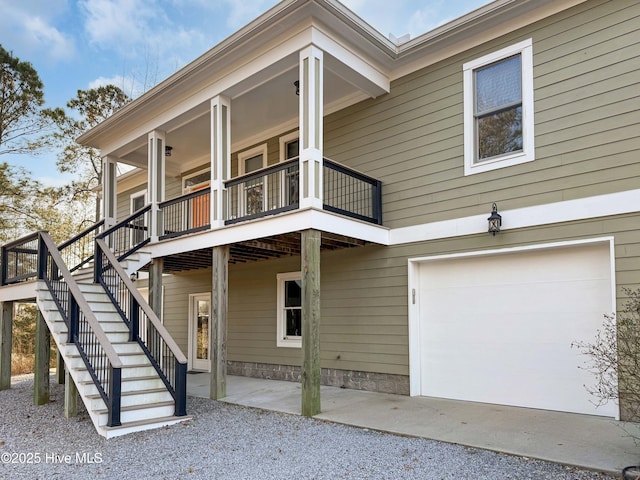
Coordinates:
[252,152]
[283,144]
[282,341]
[185,189]
[527,154]
[133,196]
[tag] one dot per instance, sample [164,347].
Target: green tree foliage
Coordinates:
[27,206]
[21,100]
[88,109]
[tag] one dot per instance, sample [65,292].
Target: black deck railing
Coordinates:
[144,325]
[186,214]
[78,251]
[84,331]
[350,193]
[266,192]
[19,260]
[130,235]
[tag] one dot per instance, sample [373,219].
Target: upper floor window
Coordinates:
[498,109]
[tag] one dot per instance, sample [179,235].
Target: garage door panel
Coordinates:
[499,328]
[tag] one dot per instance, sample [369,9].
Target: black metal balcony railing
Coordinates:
[270,191]
[350,193]
[78,251]
[266,192]
[130,235]
[186,214]
[19,260]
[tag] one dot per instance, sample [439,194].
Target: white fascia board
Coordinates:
[566,211]
[377,80]
[559,212]
[270,226]
[18,291]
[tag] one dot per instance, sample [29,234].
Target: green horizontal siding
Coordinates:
[587,118]
[364,294]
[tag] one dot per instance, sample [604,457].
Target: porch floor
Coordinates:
[582,440]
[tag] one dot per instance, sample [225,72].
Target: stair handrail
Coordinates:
[136,305]
[83,260]
[127,244]
[105,367]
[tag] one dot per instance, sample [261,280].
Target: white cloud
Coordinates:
[34,36]
[59,45]
[118,24]
[127,83]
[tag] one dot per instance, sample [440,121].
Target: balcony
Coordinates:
[271,191]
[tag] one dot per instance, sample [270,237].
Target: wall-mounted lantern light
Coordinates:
[495,220]
[167,150]
[297,85]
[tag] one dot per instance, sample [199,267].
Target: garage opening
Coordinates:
[498,327]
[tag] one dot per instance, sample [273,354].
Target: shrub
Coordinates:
[614,359]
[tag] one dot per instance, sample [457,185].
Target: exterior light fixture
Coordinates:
[167,150]
[297,85]
[495,220]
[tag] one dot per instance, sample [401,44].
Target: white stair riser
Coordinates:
[100,306]
[114,326]
[89,287]
[135,400]
[141,414]
[131,386]
[118,337]
[127,372]
[135,359]
[129,347]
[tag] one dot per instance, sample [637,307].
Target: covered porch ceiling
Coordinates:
[254,250]
[262,105]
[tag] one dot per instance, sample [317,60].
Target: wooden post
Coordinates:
[41,368]
[6,339]
[155,285]
[218,321]
[310,374]
[70,397]
[60,380]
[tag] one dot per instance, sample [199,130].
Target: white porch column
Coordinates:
[220,157]
[156,187]
[311,131]
[109,191]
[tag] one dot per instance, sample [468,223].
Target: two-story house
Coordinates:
[314,202]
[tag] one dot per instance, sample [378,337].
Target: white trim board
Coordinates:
[566,211]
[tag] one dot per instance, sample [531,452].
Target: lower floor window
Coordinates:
[289,326]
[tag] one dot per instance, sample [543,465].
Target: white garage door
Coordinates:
[499,328]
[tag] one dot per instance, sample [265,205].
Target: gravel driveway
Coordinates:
[225,441]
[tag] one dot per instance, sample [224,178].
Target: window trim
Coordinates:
[252,152]
[281,341]
[197,186]
[525,50]
[136,195]
[283,140]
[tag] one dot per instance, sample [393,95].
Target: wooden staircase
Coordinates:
[146,402]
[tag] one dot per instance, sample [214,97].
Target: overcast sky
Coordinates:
[135,44]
